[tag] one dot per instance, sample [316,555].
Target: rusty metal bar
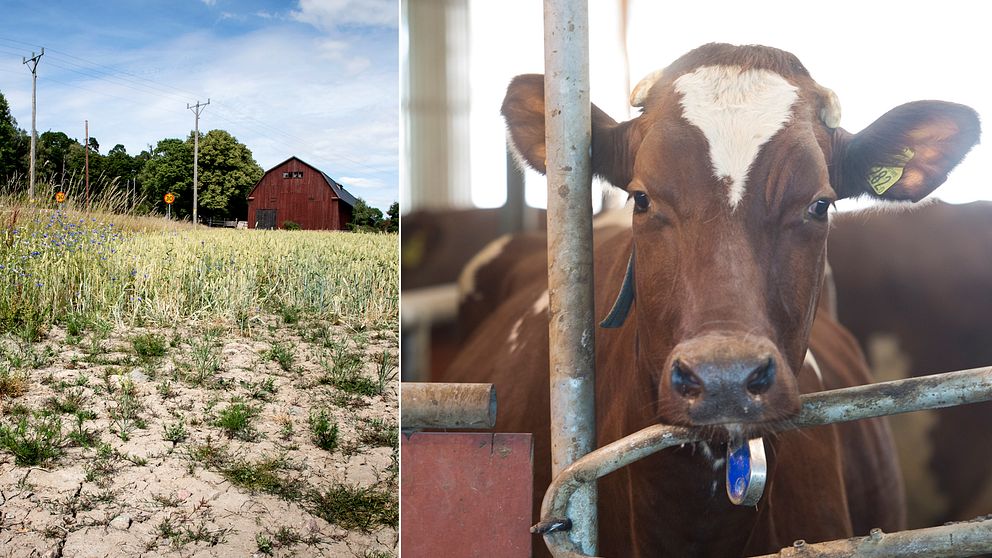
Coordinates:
[827,407]
[437,405]
[568,135]
[967,538]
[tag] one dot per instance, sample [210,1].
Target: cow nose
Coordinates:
[753,376]
[685,381]
[726,378]
[724,391]
[761,378]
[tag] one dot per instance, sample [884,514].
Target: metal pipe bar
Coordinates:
[826,407]
[568,135]
[967,538]
[437,405]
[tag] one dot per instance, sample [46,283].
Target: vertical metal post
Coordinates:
[570,279]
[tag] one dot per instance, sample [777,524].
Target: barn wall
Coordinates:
[308,201]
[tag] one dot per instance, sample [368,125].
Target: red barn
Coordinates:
[296,191]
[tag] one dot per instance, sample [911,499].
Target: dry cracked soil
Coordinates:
[275,439]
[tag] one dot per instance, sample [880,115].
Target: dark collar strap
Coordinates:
[625,298]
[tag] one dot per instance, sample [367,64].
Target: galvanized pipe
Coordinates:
[967,538]
[826,407]
[437,405]
[568,135]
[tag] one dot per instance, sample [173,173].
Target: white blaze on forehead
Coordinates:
[738,111]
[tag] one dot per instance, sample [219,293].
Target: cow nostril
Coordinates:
[762,378]
[685,381]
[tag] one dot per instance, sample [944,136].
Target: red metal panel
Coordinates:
[466,494]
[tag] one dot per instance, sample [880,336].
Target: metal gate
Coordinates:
[568,514]
[570,502]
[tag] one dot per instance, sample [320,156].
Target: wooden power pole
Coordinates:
[33,64]
[86,154]
[197,109]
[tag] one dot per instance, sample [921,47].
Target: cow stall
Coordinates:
[568,521]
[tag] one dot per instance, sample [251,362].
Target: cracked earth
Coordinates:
[278,440]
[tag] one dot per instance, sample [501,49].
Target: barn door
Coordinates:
[265,219]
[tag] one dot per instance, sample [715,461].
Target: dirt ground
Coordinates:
[279,439]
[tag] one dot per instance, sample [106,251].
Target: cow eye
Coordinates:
[641,201]
[819,208]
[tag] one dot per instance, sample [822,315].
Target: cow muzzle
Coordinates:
[725,378]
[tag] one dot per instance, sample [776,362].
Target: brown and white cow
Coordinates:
[732,166]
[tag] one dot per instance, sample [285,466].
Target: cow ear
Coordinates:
[523,109]
[905,154]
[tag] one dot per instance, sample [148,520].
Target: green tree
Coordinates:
[392,223]
[228,172]
[14,146]
[121,169]
[364,217]
[54,149]
[169,168]
[117,164]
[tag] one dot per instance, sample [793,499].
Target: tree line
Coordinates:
[138,183]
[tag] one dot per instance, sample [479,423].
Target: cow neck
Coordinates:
[684,482]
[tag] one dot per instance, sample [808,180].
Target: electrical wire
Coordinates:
[122,78]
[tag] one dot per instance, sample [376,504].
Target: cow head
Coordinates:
[732,166]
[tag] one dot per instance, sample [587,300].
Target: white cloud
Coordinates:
[360,182]
[270,88]
[327,15]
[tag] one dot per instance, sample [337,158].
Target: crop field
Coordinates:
[170,391]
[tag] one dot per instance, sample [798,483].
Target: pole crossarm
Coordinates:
[826,407]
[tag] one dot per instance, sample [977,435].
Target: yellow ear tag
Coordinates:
[882,178]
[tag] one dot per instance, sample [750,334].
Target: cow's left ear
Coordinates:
[905,154]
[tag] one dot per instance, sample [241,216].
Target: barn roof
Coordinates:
[339,190]
[336,187]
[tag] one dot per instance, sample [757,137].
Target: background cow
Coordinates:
[732,166]
[916,291]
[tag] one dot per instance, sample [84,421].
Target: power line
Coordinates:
[241,120]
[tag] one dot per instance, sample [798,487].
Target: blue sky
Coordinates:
[311,78]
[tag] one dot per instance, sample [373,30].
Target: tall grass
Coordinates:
[56,265]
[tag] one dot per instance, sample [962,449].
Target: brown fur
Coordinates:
[708,278]
[923,278]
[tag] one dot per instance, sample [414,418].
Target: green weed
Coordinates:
[236,420]
[323,433]
[33,441]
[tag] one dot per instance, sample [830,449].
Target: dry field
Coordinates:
[196,393]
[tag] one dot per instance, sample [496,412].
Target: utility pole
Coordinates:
[35,58]
[197,109]
[86,151]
